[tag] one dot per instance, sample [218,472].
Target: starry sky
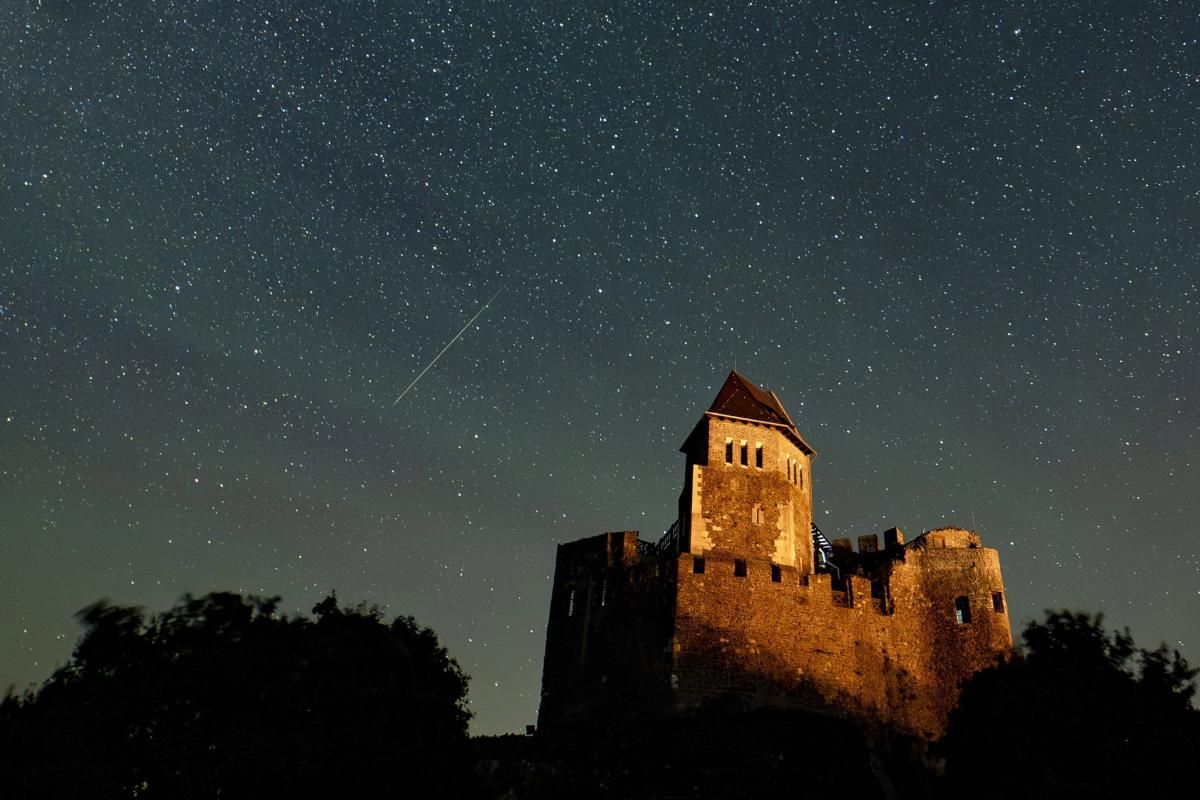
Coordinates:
[959,239]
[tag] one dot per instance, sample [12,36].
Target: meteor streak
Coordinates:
[447,347]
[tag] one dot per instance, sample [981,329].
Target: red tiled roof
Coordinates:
[739,397]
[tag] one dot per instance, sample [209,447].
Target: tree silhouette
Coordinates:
[1081,712]
[221,696]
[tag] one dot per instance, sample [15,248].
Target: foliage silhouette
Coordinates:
[1080,712]
[221,696]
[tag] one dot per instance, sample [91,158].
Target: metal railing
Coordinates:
[670,540]
[669,543]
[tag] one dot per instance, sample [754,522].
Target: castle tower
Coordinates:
[747,491]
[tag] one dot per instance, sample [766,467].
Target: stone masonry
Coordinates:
[738,608]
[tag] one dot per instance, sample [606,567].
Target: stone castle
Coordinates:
[745,605]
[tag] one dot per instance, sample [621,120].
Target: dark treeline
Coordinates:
[221,696]
[1078,712]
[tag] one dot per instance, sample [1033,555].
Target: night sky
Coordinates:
[959,239]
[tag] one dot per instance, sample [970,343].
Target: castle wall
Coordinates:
[607,641]
[749,642]
[652,635]
[939,653]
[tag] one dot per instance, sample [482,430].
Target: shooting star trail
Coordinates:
[447,347]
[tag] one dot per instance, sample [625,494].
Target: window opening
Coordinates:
[729,451]
[739,568]
[998,602]
[800,476]
[571,603]
[604,592]
[962,610]
[758,461]
[776,574]
[745,454]
[698,565]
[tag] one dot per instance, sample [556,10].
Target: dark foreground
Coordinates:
[749,755]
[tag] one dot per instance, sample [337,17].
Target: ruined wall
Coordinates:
[744,510]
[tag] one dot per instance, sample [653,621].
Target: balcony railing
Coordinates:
[669,543]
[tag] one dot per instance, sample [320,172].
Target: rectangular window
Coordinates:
[571,603]
[776,574]
[758,462]
[604,593]
[745,454]
[799,476]
[698,565]
[998,602]
[962,610]
[739,568]
[729,451]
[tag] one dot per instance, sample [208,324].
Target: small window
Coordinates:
[571,603]
[698,565]
[962,610]
[739,568]
[776,574]
[604,593]
[757,516]
[800,476]
[729,451]
[758,462]
[789,467]
[745,454]
[998,602]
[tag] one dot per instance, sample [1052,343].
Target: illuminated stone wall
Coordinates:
[637,635]
[896,654]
